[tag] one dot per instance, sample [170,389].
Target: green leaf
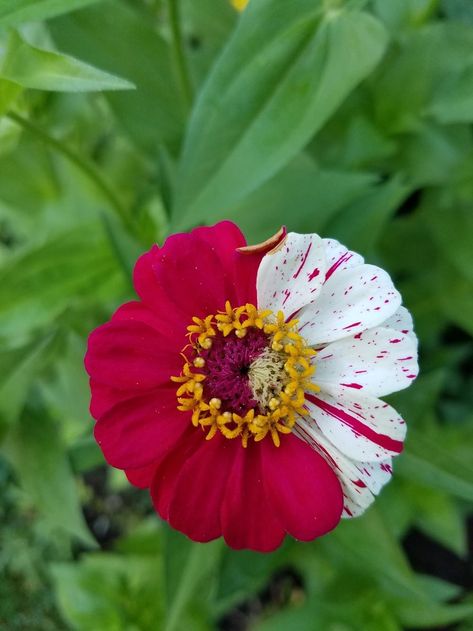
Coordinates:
[9,92]
[19,367]
[121,41]
[32,67]
[430,461]
[14,12]
[404,13]
[428,57]
[461,10]
[362,222]
[44,280]
[317,194]
[453,100]
[269,93]
[111,592]
[367,542]
[35,448]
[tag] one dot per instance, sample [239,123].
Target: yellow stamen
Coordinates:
[279,377]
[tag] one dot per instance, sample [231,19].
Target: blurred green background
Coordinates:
[121,122]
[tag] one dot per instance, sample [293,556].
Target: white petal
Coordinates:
[363,428]
[352,300]
[339,257]
[291,277]
[360,481]
[378,361]
[401,321]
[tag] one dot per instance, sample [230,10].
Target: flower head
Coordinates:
[242,387]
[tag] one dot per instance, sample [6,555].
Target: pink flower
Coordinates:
[242,387]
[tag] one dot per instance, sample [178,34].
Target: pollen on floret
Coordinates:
[251,370]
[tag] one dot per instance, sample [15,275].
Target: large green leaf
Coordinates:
[428,61]
[269,92]
[15,11]
[61,273]
[38,456]
[301,195]
[31,67]
[111,593]
[19,366]
[430,460]
[122,41]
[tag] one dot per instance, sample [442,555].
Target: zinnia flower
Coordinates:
[242,388]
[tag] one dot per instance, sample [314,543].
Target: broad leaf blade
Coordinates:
[121,41]
[270,91]
[32,67]
[14,12]
[38,455]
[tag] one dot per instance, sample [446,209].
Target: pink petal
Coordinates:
[292,275]
[141,477]
[192,274]
[352,300]
[363,428]
[138,311]
[301,487]
[248,520]
[103,398]
[173,322]
[167,472]
[141,430]
[376,362]
[200,488]
[128,354]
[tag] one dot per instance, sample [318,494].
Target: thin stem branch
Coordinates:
[81,163]
[178,47]
[186,587]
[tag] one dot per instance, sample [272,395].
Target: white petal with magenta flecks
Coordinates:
[376,362]
[339,257]
[360,481]
[375,474]
[352,300]
[357,495]
[363,428]
[291,276]
[401,321]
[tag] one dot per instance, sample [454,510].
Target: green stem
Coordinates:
[187,585]
[82,164]
[178,47]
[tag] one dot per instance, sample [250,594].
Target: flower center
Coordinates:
[245,374]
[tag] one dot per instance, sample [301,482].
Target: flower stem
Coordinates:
[191,574]
[81,163]
[179,54]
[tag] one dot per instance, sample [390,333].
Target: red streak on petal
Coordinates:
[304,259]
[357,426]
[343,259]
[351,325]
[357,386]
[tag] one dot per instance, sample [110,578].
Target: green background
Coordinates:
[121,122]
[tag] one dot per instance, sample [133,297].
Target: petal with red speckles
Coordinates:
[352,300]
[376,362]
[361,427]
[291,276]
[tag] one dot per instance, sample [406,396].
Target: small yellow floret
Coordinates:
[239,4]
